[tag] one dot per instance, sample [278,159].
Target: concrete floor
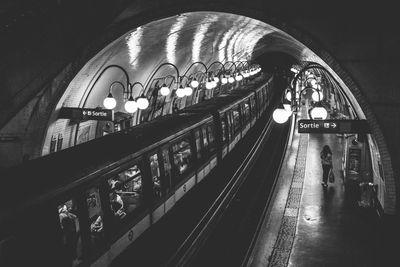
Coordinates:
[331,230]
[326,227]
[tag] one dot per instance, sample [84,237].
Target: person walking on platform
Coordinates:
[326,161]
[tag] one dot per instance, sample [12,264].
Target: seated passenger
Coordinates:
[97,225]
[117,205]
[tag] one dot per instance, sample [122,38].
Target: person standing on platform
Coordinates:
[326,161]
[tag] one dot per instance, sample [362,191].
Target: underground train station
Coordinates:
[199,133]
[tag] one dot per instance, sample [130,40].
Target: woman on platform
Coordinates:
[326,161]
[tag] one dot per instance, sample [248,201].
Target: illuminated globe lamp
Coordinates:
[288,95]
[142,102]
[216,79]
[194,83]
[213,83]
[209,84]
[110,102]
[131,106]
[180,92]
[231,79]
[224,80]
[188,90]
[238,77]
[317,96]
[164,90]
[318,113]
[280,115]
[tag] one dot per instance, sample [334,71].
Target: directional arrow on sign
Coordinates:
[333,125]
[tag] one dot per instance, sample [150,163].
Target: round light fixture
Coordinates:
[131,106]
[194,83]
[280,115]
[317,96]
[288,96]
[109,102]
[164,91]
[231,79]
[142,102]
[318,113]
[180,92]
[188,91]
[209,85]
[224,80]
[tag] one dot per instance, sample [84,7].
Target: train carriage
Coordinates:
[84,205]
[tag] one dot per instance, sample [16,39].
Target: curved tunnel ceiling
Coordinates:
[181,40]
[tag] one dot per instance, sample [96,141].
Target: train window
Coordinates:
[229,125]
[182,155]
[167,170]
[95,214]
[211,138]
[71,238]
[205,141]
[236,119]
[246,111]
[126,192]
[197,137]
[224,132]
[155,176]
[253,106]
[259,99]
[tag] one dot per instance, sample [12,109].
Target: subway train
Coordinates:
[84,205]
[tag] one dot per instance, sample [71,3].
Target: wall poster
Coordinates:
[354,163]
[83,135]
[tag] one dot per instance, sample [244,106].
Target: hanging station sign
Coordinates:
[83,114]
[333,126]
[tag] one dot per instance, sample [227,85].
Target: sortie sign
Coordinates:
[333,126]
[83,114]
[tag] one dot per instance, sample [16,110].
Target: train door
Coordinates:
[201,153]
[245,110]
[253,110]
[259,103]
[158,185]
[166,159]
[225,135]
[236,124]
[70,232]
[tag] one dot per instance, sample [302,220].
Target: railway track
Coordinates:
[178,239]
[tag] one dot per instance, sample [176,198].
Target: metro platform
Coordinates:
[307,225]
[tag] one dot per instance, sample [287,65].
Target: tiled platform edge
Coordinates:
[284,241]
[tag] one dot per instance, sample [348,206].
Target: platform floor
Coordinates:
[308,225]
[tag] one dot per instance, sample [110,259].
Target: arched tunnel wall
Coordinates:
[359,43]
